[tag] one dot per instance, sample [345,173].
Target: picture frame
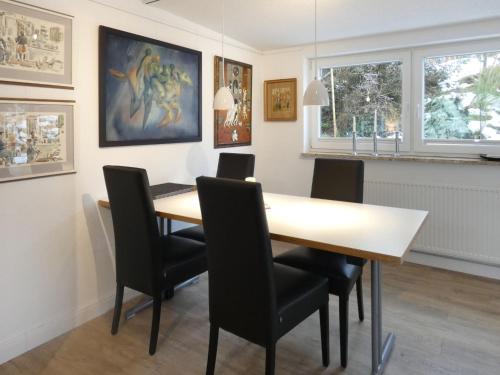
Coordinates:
[234,128]
[35,46]
[150,91]
[36,138]
[280,100]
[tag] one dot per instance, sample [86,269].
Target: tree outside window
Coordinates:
[369,94]
[462,97]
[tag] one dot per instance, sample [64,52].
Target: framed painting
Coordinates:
[234,128]
[149,91]
[36,138]
[35,46]
[280,100]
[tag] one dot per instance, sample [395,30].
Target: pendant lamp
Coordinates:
[316,93]
[223,99]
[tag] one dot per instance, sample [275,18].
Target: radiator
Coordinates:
[463,221]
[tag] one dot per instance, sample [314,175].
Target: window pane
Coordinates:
[462,97]
[369,93]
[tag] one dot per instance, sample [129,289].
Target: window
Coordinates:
[367,97]
[462,97]
[453,91]
[367,93]
[459,90]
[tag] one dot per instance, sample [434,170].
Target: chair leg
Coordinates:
[118,308]
[270,358]
[212,349]
[344,323]
[169,293]
[359,292]
[155,325]
[325,334]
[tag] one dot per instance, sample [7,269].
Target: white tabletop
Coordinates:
[368,231]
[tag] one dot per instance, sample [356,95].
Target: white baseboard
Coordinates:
[452,264]
[43,332]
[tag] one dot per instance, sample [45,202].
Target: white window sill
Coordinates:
[475,160]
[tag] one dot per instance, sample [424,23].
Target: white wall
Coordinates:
[281,168]
[56,268]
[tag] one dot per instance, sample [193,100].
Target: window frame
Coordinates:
[318,143]
[465,147]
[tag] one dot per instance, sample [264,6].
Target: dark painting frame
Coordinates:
[246,70]
[105,33]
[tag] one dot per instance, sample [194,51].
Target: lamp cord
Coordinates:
[223,78]
[315,40]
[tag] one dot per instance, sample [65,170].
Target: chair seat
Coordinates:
[356,261]
[195,233]
[341,275]
[182,258]
[298,295]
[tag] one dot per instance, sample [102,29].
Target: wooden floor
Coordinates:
[445,323]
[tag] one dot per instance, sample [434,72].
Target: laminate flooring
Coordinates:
[445,323]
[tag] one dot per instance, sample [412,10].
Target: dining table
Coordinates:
[379,234]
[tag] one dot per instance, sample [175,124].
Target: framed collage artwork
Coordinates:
[36,138]
[234,128]
[35,46]
[36,135]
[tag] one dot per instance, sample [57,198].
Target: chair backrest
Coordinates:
[340,180]
[242,294]
[235,166]
[136,230]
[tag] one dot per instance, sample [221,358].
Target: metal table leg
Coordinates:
[162,226]
[130,313]
[380,353]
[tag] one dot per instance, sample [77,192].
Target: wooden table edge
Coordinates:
[303,242]
[339,249]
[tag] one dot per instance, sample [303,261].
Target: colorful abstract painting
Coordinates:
[234,127]
[150,91]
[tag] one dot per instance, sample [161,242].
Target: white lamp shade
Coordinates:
[316,94]
[223,99]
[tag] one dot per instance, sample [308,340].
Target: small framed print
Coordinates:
[35,46]
[280,100]
[36,138]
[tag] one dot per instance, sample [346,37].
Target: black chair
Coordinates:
[336,180]
[249,295]
[234,166]
[146,261]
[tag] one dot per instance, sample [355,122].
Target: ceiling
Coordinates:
[273,24]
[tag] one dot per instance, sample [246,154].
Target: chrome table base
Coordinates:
[129,314]
[380,352]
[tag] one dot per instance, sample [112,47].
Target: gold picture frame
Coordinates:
[280,100]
